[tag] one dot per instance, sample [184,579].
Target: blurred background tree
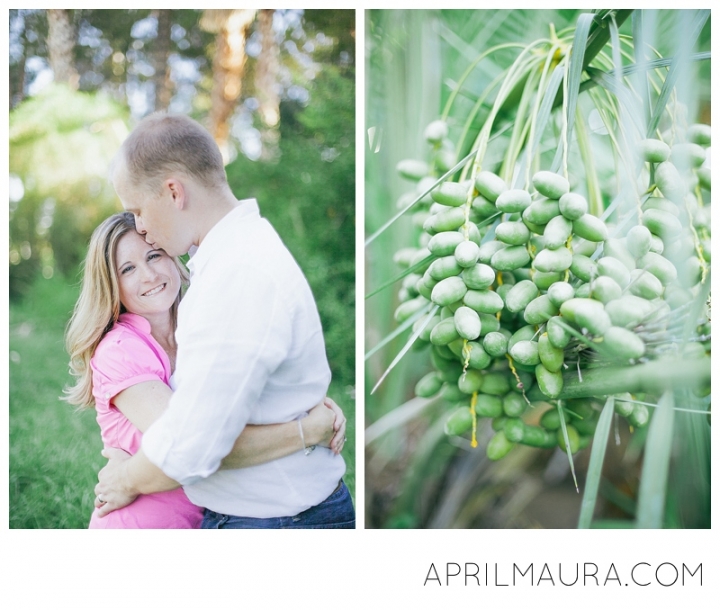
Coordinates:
[276,88]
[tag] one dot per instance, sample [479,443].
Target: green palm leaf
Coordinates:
[678,64]
[597,458]
[653,484]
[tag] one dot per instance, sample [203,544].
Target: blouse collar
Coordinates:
[136,321]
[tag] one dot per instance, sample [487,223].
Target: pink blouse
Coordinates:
[128,355]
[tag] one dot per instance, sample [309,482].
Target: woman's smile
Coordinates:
[155,290]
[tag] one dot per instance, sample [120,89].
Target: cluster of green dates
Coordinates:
[528,285]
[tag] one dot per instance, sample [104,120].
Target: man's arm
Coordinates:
[144,402]
[324,426]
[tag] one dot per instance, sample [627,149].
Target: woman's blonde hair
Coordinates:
[98,306]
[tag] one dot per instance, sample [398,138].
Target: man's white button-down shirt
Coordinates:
[250,351]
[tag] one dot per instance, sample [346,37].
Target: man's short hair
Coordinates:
[163,143]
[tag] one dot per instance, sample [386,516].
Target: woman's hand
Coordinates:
[338,440]
[325,426]
[110,493]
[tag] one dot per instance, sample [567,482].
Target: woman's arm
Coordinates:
[144,402]
[259,444]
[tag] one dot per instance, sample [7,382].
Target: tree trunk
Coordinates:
[17,80]
[231,27]
[266,74]
[61,42]
[161,78]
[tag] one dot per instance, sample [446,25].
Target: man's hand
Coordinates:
[111,492]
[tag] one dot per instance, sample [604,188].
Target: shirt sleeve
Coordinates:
[234,331]
[121,360]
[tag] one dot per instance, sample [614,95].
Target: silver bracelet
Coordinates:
[307,450]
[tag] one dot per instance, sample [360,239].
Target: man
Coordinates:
[250,344]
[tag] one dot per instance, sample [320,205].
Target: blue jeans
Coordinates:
[335,512]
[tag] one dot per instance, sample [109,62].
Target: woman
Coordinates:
[122,349]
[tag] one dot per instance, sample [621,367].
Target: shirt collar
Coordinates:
[224,229]
[136,321]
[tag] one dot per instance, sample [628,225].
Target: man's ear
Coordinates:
[177,192]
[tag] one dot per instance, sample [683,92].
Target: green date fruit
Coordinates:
[550,184]
[499,446]
[512,233]
[413,169]
[467,323]
[444,244]
[654,151]
[525,352]
[540,310]
[429,385]
[483,301]
[590,227]
[549,260]
[573,206]
[490,185]
[520,295]
[448,291]
[512,201]
[459,422]
[550,384]
[512,257]
[450,193]
[624,344]
[478,277]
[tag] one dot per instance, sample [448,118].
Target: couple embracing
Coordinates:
[212,408]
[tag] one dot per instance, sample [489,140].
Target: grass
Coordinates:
[54,450]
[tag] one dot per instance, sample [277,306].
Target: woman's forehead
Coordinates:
[131,244]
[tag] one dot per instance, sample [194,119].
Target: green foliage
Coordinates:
[340,24]
[61,145]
